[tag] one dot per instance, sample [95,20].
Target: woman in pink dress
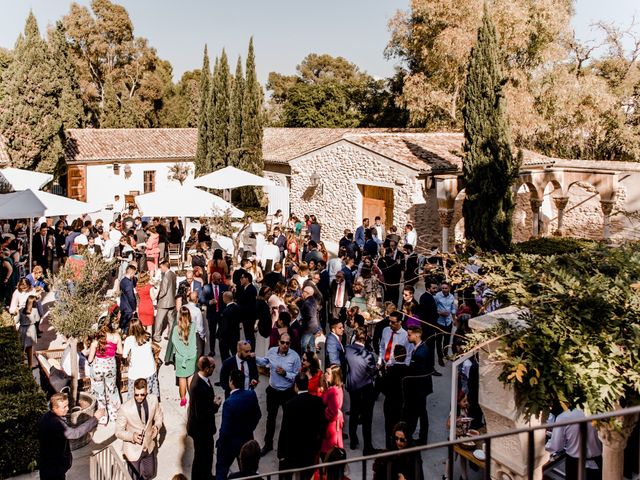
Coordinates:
[145,304]
[152,250]
[332,398]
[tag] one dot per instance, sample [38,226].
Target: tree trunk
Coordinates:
[614,441]
[73,397]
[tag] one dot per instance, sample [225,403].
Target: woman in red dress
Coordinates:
[145,305]
[218,264]
[332,398]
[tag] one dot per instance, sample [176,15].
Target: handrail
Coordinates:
[451,443]
[107,465]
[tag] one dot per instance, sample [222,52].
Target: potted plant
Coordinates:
[578,341]
[80,287]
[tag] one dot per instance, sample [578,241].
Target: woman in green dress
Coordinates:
[184,343]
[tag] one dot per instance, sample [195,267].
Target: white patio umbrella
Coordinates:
[29,203]
[184,201]
[228,178]
[15,179]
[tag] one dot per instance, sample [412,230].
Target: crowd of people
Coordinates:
[321,327]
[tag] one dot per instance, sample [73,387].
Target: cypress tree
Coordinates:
[235,122]
[211,118]
[70,100]
[29,117]
[203,118]
[252,123]
[221,93]
[489,166]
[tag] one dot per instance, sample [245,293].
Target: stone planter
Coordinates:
[81,413]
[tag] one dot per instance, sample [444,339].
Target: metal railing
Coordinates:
[107,465]
[297,473]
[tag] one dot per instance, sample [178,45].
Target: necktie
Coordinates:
[215,295]
[387,352]
[339,295]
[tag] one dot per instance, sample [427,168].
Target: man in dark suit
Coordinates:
[392,272]
[166,301]
[361,373]
[420,384]
[235,277]
[229,326]
[54,435]
[244,361]
[201,425]
[128,302]
[42,248]
[240,417]
[334,349]
[211,297]
[339,294]
[92,248]
[280,241]
[303,426]
[274,276]
[246,299]
[429,313]
[410,266]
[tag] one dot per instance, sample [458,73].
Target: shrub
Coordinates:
[22,403]
[553,246]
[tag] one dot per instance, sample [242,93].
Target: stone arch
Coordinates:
[553,201]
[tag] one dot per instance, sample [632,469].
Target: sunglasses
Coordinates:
[139,394]
[401,439]
[284,343]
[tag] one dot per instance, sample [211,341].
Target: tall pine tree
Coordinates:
[252,129]
[235,121]
[489,166]
[29,115]
[202,149]
[221,93]
[211,116]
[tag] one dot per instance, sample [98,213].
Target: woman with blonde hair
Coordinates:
[323,250]
[20,296]
[186,351]
[102,357]
[333,398]
[138,348]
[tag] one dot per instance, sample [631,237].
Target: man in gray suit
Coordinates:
[166,301]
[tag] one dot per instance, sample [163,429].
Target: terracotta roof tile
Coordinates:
[86,145]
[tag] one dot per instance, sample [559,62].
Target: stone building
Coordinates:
[345,175]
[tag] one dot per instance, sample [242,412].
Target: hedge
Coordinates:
[553,245]
[22,403]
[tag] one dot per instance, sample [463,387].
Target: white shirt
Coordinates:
[399,338]
[568,437]
[141,364]
[108,249]
[271,252]
[115,236]
[411,238]
[196,317]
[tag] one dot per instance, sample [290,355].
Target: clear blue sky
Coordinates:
[284,31]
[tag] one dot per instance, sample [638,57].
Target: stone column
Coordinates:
[535,209]
[607,208]
[509,454]
[561,204]
[614,442]
[446,217]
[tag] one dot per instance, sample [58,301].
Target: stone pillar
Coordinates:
[561,204]
[607,208]
[535,209]
[614,442]
[508,454]
[446,217]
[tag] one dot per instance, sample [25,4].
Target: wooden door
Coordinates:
[372,208]
[77,182]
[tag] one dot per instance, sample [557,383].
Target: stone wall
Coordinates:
[337,202]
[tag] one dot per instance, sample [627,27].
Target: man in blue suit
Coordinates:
[128,302]
[420,384]
[240,417]
[244,361]
[211,298]
[333,347]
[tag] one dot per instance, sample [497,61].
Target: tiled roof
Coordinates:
[86,145]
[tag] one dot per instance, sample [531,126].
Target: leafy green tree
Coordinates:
[30,119]
[181,107]
[235,119]
[202,148]
[489,166]
[252,129]
[104,49]
[220,102]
